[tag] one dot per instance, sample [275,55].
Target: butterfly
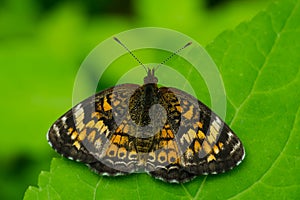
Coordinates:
[132,128]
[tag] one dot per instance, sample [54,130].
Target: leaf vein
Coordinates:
[275,161]
[137,187]
[96,187]
[294,80]
[186,191]
[200,188]
[263,65]
[279,187]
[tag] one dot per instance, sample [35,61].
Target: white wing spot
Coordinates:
[243,154]
[235,147]
[230,135]
[238,162]
[55,128]
[70,158]
[63,119]
[218,120]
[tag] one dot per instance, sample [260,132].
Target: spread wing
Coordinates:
[194,140]
[92,132]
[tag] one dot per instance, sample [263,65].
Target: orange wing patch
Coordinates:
[74,135]
[82,135]
[90,124]
[211,158]
[206,146]
[216,149]
[197,146]
[77,145]
[106,105]
[201,135]
[189,114]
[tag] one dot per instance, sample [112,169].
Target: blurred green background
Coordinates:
[42,44]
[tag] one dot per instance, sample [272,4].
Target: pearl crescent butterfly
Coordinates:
[162,131]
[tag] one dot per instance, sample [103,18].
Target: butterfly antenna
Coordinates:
[125,47]
[173,54]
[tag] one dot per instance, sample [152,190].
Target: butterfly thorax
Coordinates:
[148,94]
[143,99]
[147,112]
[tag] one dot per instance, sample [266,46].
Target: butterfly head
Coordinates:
[150,78]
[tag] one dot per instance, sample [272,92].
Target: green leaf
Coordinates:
[259,63]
